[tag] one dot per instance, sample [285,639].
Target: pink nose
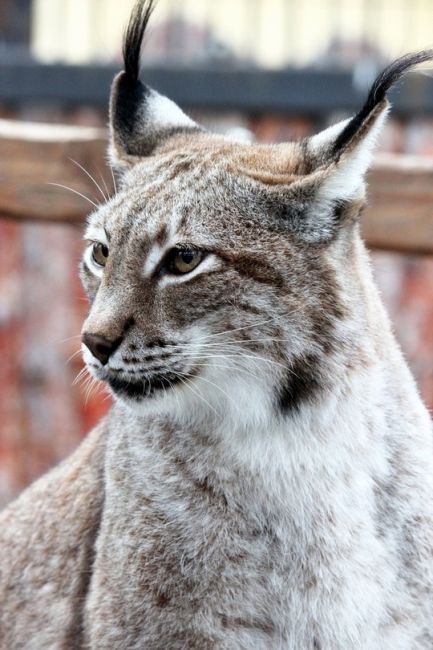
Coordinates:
[101,347]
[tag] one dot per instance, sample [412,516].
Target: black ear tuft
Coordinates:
[140,118]
[133,38]
[378,91]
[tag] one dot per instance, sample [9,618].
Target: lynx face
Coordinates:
[198,290]
[221,275]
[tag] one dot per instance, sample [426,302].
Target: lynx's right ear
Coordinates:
[140,118]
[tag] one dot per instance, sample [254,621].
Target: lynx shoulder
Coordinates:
[264,479]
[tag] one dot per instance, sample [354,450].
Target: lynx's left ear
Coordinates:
[140,118]
[344,152]
[340,156]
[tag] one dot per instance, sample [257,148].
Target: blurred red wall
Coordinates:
[43,414]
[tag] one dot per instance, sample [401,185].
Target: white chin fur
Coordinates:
[233,399]
[232,404]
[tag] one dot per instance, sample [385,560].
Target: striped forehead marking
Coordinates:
[161,241]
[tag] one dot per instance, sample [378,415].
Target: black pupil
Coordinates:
[187,256]
[104,250]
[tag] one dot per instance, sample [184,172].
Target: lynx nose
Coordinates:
[100,347]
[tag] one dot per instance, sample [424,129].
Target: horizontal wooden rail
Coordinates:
[399,216]
[32,156]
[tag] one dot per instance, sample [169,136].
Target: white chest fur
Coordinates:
[305,535]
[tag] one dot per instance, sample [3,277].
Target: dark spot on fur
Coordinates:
[156,343]
[130,322]
[302,383]
[160,357]
[179,166]
[162,599]
[157,369]
[311,582]
[184,214]
[161,235]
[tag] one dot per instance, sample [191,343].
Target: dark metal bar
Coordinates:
[307,91]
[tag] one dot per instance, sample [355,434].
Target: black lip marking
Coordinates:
[144,388]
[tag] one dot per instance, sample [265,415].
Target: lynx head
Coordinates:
[224,278]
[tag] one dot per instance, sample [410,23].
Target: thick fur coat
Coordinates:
[264,480]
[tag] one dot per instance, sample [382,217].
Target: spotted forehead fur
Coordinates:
[206,188]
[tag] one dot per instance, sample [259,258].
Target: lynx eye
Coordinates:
[99,254]
[184,260]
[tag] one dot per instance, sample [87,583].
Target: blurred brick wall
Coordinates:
[406,284]
[44,415]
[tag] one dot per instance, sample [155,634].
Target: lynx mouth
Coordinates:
[144,388]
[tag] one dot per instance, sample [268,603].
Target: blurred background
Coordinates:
[274,70]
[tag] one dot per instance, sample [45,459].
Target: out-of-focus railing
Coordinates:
[37,166]
[292,91]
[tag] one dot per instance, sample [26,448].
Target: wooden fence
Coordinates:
[399,216]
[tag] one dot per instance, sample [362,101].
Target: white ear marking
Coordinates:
[342,173]
[346,176]
[141,119]
[327,137]
[162,112]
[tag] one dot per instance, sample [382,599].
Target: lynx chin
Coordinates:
[264,480]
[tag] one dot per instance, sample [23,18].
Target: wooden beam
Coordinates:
[399,216]
[34,155]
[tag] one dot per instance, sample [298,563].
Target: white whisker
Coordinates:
[105,185]
[80,375]
[72,356]
[76,336]
[114,179]
[89,175]
[240,355]
[238,329]
[65,187]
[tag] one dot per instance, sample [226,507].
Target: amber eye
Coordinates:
[99,254]
[184,260]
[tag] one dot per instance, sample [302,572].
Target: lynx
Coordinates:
[264,479]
